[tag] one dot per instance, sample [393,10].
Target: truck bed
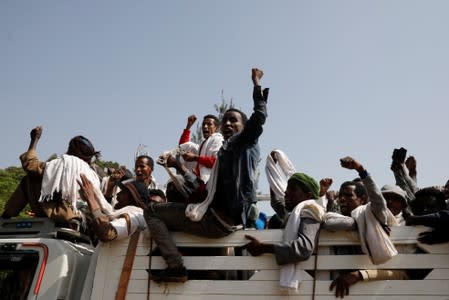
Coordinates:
[258,277]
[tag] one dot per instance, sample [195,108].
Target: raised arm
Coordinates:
[403,177]
[378,202]
[185,137]
[253,128]
[30,162]
[35,135]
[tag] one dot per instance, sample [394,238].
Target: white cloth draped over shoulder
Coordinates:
[196,211]
[279,173]
[61,175]
[183,148]
[291,274]
[374,241]
[209,147]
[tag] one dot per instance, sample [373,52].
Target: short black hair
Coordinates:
[359,190]
[158,192]
[244,117]
[216,120]
[150,160]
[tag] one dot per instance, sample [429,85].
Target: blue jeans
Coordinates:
[164,217]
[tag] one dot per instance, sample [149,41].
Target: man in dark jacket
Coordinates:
[235,188]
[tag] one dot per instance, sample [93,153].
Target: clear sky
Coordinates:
[352,78]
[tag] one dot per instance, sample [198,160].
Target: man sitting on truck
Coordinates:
[125,221]
[301,230]
[231,189]
[110,223]
[30,188]
[361,201]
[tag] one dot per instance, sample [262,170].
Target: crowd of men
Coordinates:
[212,193]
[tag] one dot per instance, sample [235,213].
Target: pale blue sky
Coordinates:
[352,78]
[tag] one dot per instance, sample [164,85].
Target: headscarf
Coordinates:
[307,184]
[82,148]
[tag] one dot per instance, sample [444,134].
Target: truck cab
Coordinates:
[41,261]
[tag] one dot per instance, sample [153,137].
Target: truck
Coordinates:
[41,261]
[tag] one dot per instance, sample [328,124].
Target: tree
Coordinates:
[9,180]
[104,164]
[223,106]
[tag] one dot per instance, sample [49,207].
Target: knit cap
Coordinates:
[307,184]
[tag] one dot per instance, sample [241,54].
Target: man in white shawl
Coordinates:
[363,208]
[50,187]
[300,233]
[203,155]
[194,162]
[110,224]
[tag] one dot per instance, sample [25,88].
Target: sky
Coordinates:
[356,78]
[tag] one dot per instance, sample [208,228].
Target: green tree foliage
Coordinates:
[104,164]
[9,179]
[53,156]
[223,106]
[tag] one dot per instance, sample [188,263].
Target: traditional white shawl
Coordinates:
[196,211]
[183,148]
[209,147]
[61,175]
[137,221]
[374,241]
[291,274]
[279,173]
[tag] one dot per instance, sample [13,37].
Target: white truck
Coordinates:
[40,261]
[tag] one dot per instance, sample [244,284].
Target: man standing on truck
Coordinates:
[231,189]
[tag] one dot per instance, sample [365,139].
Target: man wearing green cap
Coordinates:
[301,231]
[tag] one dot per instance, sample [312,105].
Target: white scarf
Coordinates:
[291,274]
[279,173]
[61,175]
[196,211]
[374,241]
[209,147]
